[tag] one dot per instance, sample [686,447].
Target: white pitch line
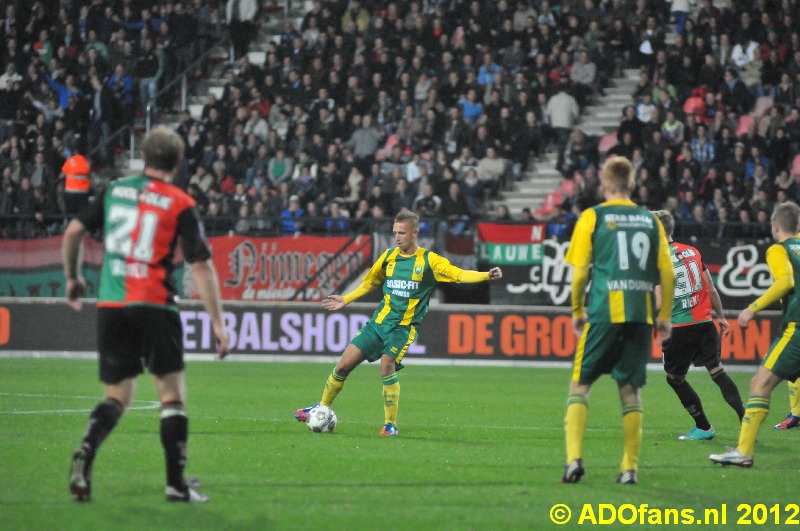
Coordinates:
[147,404]
[410,359]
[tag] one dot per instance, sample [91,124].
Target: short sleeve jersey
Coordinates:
[141,219]
[624,244]
[692,303]
[780,257]
[408,283]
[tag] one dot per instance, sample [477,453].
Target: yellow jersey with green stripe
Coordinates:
[408,283]
[783,259]
[626,247]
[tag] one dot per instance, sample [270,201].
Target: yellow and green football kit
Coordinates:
[625,248]
[408,282]
[629,255]
[783,356]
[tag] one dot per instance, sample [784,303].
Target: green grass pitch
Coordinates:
[479,448]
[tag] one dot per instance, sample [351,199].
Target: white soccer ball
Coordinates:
[321,419]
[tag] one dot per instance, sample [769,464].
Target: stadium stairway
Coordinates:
[542,187]
[269,24]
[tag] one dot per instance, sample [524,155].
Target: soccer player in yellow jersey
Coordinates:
[627,251]
[792,420]
[408,274]
[782,361]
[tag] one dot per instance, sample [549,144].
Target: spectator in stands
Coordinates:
[291,215]
[526,216]
[337,220]
[364,143]
[24,207]
[621,41]
[745,50]
[354,187]
[487,70]
[402,196]
[564,112]
[646,110]
[672,130]
[583,76]
[240,16]
[453,211]
[578,154]
[103,113]
[471,109]
[503,215]
[280,167]
[148,70]
[243,223]
[734,94]
[427,203]
[703,148]
[10,76]
[685,208]
[492,172]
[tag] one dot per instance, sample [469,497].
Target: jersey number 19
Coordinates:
[639,247]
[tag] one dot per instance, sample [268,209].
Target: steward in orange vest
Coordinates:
[77,184]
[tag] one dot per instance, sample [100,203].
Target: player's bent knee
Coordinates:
[675,380]
[388,364]
[344,369]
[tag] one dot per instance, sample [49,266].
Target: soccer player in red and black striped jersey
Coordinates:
[142,218]
[695,339]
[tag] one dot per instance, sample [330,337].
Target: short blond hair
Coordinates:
[618,175]
[406,216]
[162,149]
[787,217]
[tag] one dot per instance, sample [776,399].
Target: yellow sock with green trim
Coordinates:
[332,387]
[632,430]
[794,397]
[391,397]
[575,425]
[754,414]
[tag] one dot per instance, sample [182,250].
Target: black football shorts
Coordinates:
[697,345]
[132,337]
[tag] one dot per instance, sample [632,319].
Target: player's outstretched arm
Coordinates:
[446,272]
[205,280]
[71,251]
[333,302]
[781,269]
[495,273]
[374,278]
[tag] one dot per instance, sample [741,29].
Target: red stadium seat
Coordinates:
[795,169]
[744,125]
[548,208]
[763,103]
[567,187]
[694,105]
[607,142]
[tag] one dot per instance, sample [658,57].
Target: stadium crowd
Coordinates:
[73,72]
[366,108]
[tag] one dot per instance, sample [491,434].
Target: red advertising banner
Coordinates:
[32,268]
[502,233]
[275,268]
